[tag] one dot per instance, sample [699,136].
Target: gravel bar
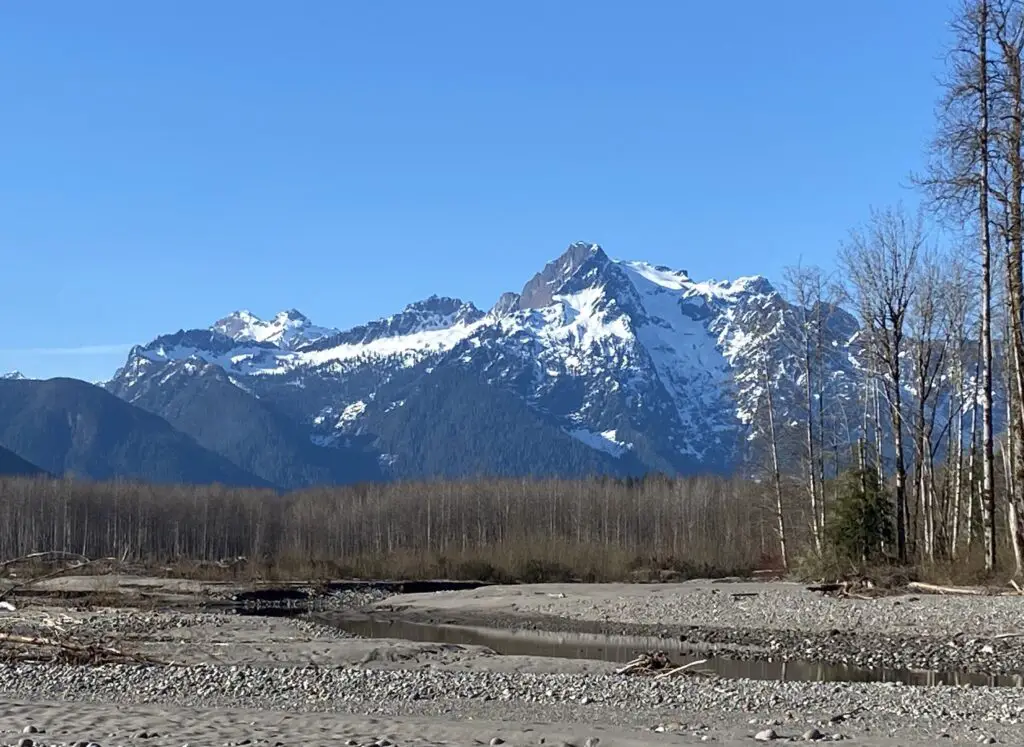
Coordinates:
[637,701]
[754,620]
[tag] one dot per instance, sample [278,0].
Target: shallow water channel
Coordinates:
[621,649]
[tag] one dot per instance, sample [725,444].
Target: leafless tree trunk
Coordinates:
[780,518]
[880,262]
[810,294]
[1008,34]
[956,313]
[960,185]
[929,360]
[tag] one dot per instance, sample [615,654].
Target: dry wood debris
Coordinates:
[658,664]
[42,638]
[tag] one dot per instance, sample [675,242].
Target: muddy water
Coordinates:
[621,649]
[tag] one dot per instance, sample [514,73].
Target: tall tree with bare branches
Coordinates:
[1007,28]
[959,183]
[956,325]
[928,361]
[880,261]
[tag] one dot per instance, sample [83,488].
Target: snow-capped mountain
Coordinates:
[12,376]
[625,366]
[287,330]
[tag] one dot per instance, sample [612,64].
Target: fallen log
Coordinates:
[935,589]
[79,652]
[76,566]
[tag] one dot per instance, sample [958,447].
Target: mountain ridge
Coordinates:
[627,358]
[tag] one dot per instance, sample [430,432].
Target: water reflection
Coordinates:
[622,648]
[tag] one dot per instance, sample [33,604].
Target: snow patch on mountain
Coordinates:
[409,349]
[13,376]
[606,441]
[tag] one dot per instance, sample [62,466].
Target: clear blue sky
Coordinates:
[165,162]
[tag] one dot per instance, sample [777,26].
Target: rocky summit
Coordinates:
[598,365]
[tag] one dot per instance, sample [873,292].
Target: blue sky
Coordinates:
[164,163]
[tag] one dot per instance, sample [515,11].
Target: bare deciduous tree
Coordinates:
[959,183]
[880,261]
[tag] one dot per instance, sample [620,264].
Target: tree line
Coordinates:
[500,529]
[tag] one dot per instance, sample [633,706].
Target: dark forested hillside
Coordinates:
[12,464]
[67,426]
[250,432]
[450,424]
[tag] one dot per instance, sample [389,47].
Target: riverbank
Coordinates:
[218,678]
[752,620]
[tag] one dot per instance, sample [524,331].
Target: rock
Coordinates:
[26,742]
[496,741]
[812,735]
[591,742]
[767,735]
[30,729]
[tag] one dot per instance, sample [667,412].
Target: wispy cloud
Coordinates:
[77,350]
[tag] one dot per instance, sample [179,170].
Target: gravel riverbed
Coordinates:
[234,672]
[751,620]
[695,706]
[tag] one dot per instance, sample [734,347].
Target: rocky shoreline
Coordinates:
[244,668]
[756,621]
[959,652]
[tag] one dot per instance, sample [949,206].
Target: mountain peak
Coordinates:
[541,288]
[293,315]
[437,304]
[12,376]
[507,303]
[287,329]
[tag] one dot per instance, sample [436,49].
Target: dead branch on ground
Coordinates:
[13,648]
[81,562]
[936,589]
[658,664]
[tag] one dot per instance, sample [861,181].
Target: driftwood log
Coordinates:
[23,638]
[936,589]
[658,664]
[18,647]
